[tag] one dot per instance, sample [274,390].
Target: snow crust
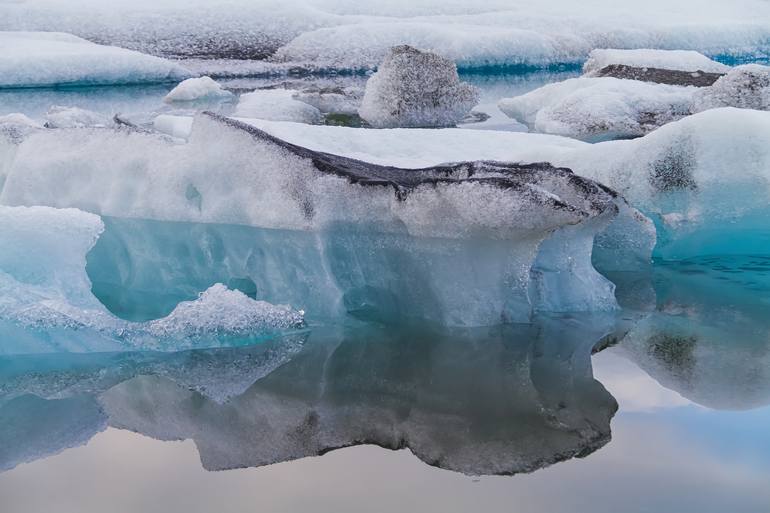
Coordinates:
[43,59]
[412,88]
[684,60]
[196,89]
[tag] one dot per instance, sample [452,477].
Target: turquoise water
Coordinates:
[661,406]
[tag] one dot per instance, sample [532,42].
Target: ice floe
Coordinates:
[43,59]
[276,105]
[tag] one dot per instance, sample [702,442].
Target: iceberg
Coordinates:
[599,108]
[678,176]
[366,238]
[619,102]
[46,59]
[412,88]
[46,303]
[197,89]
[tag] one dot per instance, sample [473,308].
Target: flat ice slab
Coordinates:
[40,59]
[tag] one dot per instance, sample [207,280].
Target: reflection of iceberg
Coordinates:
[33,428]
[709,338]
[480,402]
[49,403]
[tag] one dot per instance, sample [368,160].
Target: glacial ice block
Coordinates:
[453,243]
[412,88]
[44,59]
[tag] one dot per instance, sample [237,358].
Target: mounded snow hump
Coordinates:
[412,88]
[42,59]
[685,60]
[197,89]
[46,303]
[276,105]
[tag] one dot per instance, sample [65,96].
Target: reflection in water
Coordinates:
[491,401]
[708,337]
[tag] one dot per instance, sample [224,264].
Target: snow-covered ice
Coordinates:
[412,88]
[197,89]
[599,108]
[43,59]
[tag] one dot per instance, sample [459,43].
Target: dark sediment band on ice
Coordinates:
[660,76]
[504,175]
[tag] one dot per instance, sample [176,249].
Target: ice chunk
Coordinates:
[412,88]
[36,59]
[221,310]
[276,105]
[600,108]
[73,117]
[682,60]
[179,127]
[197,89]
[745,87]
[45,289]
[333,100]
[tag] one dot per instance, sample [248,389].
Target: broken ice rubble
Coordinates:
[44,59]
[412,88]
